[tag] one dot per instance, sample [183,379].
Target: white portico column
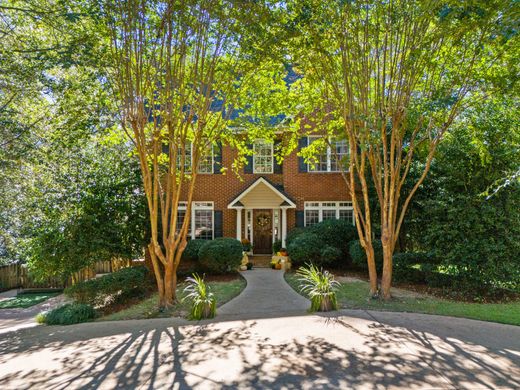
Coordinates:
[239,223]
[284,225]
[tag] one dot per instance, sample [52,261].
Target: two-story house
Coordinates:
[270,198]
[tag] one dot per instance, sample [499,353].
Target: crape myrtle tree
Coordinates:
[391,77]
[179,72]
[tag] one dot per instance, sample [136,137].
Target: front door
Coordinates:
[262,231]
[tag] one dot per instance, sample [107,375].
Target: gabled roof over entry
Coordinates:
[277,197]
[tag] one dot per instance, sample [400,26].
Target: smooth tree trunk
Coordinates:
[372,270]
[386,280]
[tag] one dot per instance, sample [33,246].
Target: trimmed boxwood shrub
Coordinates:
[71,313]
[117,286]
[337,233]
[291,235]
[331,254]
[191,252]
[359,258]
[221,255]
[305,248]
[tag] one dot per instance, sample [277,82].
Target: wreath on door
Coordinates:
[263,220]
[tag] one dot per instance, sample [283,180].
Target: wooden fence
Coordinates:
[18,276]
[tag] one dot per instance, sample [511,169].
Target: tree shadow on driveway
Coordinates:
[349,350]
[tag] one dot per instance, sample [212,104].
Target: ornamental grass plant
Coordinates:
[198,293]
[319,286]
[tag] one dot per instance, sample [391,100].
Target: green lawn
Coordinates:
[224,291]
[26,300]
[354,295]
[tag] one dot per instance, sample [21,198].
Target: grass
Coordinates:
[224,291]
[354,295]
[26,300]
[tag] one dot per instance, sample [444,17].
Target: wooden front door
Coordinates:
[262,231]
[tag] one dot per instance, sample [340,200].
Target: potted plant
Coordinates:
[203,302]
[319,286]
[249,265]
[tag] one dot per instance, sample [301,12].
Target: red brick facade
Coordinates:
[299,186]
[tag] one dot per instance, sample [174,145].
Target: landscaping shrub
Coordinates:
[117,286]
[291,236]
[330,255]
[359,258]
[406,259]
[408,274]
[440,280]
[305,248]
[191,252]
[71,313]
[337,233]
[277,245]
[221,255]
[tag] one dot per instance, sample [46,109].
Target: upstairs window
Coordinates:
[187,158]
[206,163]
[263,157]
[332,158]
[316,212]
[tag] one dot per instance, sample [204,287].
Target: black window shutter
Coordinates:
[217,223]
[278,167]
[217,158]
[302,165]
[249,166]
[300,218]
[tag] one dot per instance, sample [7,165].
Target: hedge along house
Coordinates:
[269,199]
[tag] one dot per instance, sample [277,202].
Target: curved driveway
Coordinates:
[345,350]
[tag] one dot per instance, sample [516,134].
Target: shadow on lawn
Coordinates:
[343,352]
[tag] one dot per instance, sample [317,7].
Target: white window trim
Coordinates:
[272,157]
[194,207]
[329,157]
[321,207]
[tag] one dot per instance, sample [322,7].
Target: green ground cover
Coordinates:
[26,300]
[224,291]
[354,295]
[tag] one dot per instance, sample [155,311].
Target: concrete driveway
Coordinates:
[18,318]
[352,349]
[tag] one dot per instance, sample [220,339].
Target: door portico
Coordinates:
[262,211]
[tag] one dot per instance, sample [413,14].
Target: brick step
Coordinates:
[261,261]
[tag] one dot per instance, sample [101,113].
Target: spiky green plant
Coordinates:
[319,286]
[203,302]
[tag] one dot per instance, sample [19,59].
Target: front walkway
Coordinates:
[266,295]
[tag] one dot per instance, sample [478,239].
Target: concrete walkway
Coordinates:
[266,295]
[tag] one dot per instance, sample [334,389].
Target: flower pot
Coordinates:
[326,304]
[207,312]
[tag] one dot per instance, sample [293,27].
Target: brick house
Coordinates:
[269,199]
